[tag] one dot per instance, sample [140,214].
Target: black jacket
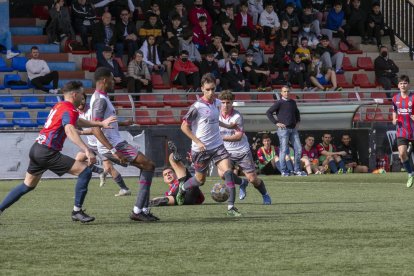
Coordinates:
[81,13]
[99,34]
[116,69]
[120,29]
[382,65]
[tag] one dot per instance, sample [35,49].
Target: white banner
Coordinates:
[15,149]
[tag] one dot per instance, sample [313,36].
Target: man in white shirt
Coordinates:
[39,73]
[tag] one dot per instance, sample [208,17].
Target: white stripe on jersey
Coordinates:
[92,141]
[241,146]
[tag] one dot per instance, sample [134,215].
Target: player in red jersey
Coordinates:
[310,157]
[45,153]
[329,156]
[403,117]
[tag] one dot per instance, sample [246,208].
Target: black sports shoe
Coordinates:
[81,216]
[173,148]
[152,216]
[160,201]
[141,217]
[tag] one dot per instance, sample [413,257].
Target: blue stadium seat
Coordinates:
[42,117]
[4,67]
[32,102]
[8,102]
[62,66]
[43,48]
[4,122]
[22,119]
[50,101]
[13,77]
[19,64]
[86,83]
[26,30]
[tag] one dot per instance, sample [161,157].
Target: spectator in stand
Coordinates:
[175,28]
[185,72]
[291,16]
[117,6]
[304,51]
[151,57]
[209,65]
[285,31]
[254,74]
[244,22]
[255,9]
[310,157]
[281,59]
[376,26]
[267,157]
[218,51]
[39,73]
[197,11]
[298,73]
[138,75]
[152,26]
[311,37]
[229,35]
[202,35]
[126,33]
[386,71]
[228,12]
[60,25]
[351,159]
[295,4]
[329,56]
[310,19]
[168,52]
[113,65]
[258,53]
[103,34]
[181,12]
[355,23]
[155,10]
[186,43]
[320,75]
[214,8]
[83,16]
[269,22]
[233,76]
[328,156]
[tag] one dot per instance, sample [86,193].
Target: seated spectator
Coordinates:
[255,9]
[198,11]
[258,53]
[186,43]
[320,75]
[104,35]
[355,23]
[152,26]
[244,22]
[329,56]
[296,4]
[298,73]
[311,37]
[269,22]
[179,10]
[229,35]
[228,12]
[291,16]
[282,58]
[60,25]
[386,71]
[116,7]
[304,51]
[233,76]
[155,10]
[377,28]
[253,74]
[310,157]
[126,33]
[328,156]
[168,52]
[6,42]
[113,65]
[39,73]
[218,50]
[214,8]
[351,158]
[175,28]
[201,35]
[267,157]
[185,73]
[285,31]
[138,75]
[83,16]
[151,57]
[209,65]
[310,18]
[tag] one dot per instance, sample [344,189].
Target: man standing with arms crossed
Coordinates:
[288,118]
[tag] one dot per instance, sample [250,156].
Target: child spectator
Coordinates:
[198,11]
[138,75]
[268,157]
[201,35]
[152,26]
[233,77]
[126,33]
[83,16]
[282,58]
[303,51]
[228,13]
[185,72]
[179,10]
[255,9]
[285,31]
[294,3]
[297,72]
[258,52]
[376,26]
[229,35]
[310,157]
[60,25]
[186,43]
[175,28]
[253,74]
[151,57]
[209,65]
[310,18]
[269,22]
[291,16]
[218,51]
[329,56]
[244,22]
[320,75]
[307,33]
[168,51]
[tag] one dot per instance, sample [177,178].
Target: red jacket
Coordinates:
[179,66]
[238,20]
[201,38]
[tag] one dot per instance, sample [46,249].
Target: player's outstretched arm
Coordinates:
[73,135]
[104,124]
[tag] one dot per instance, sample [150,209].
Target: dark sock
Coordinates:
[238,180]
[229,178]
[145,181]
[96,169]
[289,165]
[81,188]
[341,165]
[261,188]
[332,166]
[14,195]
[407,166]
[120,181]
[190,183]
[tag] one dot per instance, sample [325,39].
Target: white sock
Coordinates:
[76,209]
[137,210]
[229,207]
[145,210]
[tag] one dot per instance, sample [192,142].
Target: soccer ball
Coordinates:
[220,192]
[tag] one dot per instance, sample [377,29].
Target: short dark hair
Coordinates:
[308,136]
[233,51]
[265,136]
[226,95]
[202,19]
[167,168]
[345,134]
[337,3]
[176,17]
[184,52]
[73,86]
[34,48]
[325,133]
[208,78]
[404,78]
[102,73]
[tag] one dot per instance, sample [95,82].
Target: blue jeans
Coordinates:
[286,135]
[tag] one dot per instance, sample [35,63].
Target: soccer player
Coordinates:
[102,108]
[45,153]
[85,114]
[201,125]
[403,117]
[310,156]
[235,142]
[172,177]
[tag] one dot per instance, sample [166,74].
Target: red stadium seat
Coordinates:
[312,97]
[333,96]
[183,112]
[342,82]
[374,115]
[191,98]
[121,64]
[166,117]
[158,83]
[353,95]
[265,98]
[344,48]
[175,100]
[142,117]
[365,63]
[89,64]
[122,101]
[40,11]
[150,101]
[347,65]
[243,97]
[362,81]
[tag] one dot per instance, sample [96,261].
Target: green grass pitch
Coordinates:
[317,225]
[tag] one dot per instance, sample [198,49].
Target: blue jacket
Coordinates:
[334,20]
